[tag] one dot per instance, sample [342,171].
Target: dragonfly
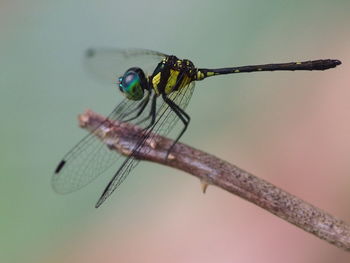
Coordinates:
[157,89]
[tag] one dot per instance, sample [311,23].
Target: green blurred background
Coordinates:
[291,129]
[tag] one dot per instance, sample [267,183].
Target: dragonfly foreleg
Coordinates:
[152,114]
[140,107]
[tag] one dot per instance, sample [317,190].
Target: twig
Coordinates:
[211,170]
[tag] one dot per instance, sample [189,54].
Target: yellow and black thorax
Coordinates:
[172,74]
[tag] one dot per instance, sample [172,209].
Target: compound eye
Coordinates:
[132,84]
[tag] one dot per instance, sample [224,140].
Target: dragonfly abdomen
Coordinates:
[320,64]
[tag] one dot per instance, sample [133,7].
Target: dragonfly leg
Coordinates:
[152,113]
[140,107]
[183,116]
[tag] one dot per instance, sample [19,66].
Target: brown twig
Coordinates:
[211,170]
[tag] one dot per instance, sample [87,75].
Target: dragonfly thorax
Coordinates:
[172,74]
[133,83]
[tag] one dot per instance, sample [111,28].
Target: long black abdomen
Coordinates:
[321,64]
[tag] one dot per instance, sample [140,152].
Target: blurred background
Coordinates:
[290,128]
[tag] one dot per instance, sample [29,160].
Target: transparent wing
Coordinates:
[166,120]
[89,158]
[108,64]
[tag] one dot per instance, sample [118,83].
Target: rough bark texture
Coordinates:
[211,170]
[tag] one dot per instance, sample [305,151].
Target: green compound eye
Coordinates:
[132,84]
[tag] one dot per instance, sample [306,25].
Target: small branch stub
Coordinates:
[122,137]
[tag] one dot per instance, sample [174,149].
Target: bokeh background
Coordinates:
[292,129]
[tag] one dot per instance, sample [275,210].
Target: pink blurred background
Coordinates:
[292,129]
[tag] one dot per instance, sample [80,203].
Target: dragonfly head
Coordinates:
[133,83]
